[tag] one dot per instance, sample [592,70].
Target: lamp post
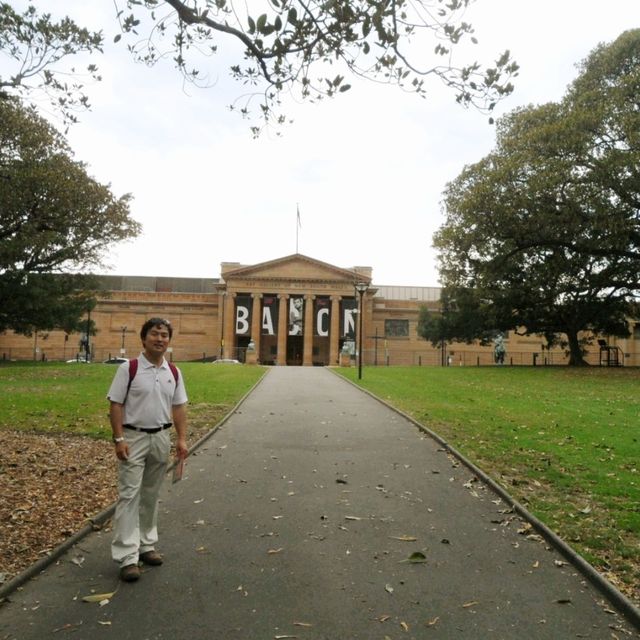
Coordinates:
[361,289]
[123,328]
[224,300]
[87,346]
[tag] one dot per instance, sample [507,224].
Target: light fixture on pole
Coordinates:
[361,289]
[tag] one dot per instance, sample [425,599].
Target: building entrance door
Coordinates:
[295,345]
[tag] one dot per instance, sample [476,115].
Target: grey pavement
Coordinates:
[298,518]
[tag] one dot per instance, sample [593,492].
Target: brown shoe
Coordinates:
[152,558]
[130,573]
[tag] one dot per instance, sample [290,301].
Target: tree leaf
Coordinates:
[98,597]
[417,557]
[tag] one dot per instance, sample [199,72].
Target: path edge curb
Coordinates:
[98,521]
[629,610]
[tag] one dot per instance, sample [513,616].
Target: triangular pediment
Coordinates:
[294,267]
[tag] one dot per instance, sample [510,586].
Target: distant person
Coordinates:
[147,397]
[499,349]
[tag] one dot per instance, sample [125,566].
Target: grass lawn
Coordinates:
[563,441]
[54,398]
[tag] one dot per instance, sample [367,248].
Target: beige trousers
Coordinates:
[139,481]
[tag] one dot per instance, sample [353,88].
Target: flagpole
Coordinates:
[297,225]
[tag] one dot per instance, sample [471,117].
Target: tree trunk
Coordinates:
[576,355]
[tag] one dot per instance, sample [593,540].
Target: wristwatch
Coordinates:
[118,439]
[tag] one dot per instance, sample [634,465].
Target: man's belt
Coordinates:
[152,430]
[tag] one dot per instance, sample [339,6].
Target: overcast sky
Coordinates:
[367,170]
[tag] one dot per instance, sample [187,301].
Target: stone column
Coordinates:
[230,326]
[307,350]
[334,332]
[255,321]
[283,329]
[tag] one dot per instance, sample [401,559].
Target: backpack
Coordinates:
[133,369]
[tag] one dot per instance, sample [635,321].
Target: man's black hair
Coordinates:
[155,322]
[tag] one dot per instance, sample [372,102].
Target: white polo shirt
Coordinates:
[152,394]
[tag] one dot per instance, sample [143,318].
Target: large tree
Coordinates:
[545,228]
[305,47]
[56,222]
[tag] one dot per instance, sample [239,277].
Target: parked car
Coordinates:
[226,361]
[117,360]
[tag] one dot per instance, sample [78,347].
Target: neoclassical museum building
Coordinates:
[294,310]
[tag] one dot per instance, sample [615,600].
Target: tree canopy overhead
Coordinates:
[56,221]
[545,229]
[36,49]
[306,48]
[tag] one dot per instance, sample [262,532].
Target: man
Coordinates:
[146,399]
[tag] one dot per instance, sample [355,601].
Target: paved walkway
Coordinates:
[297,520]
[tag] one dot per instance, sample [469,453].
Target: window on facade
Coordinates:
[636,331]
[396,328]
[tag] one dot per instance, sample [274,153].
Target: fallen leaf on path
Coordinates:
[433,621]
[98,597]
[473,603]
[405,626]
[302,624]
[388,588]
[404,538]
[352,518]
[383,618]
[67,627]
[273,551]
[417,557]
[106,623]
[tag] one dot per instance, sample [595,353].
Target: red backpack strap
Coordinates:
[174,370]
[133,369]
